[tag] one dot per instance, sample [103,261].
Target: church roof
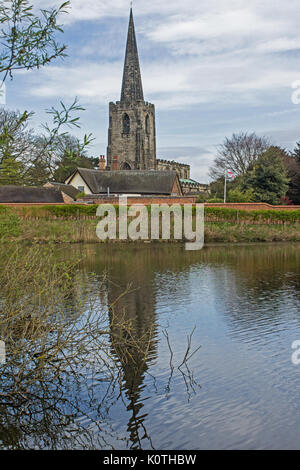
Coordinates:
[190,181]
[129,182]
[28,194]
[132,88]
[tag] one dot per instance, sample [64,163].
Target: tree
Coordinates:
[267,177]
[55,144]
[292,166]
[217,188]
[33,159]
[237,154]
[28,39]
[237,195]
[70,155]
[11,172]
[296,152]
[16,145]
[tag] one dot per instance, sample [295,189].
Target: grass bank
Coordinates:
[84,231]
[212,214]
[77,224]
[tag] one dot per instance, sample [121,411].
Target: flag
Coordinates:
[230,174]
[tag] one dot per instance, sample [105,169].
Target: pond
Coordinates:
[232,312]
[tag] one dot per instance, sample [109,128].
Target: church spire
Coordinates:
[132,88]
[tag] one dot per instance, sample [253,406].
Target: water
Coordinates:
[240,389]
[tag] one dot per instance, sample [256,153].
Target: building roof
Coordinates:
[161,160]
[190,181]
[28,194]
[65,188]
[128,182]
[132,88]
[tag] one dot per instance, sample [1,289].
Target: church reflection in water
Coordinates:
[134,343]
[131,297]
[249,293]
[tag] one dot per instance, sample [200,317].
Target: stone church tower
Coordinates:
[131,134]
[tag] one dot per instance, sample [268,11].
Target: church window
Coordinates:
[126,124]
[147,124]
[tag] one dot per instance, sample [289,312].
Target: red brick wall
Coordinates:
[251,206]
[21,204]
[144,200]
[168,200]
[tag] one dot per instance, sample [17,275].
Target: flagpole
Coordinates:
[225,186]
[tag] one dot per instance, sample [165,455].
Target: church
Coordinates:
[131,133]
[132,144]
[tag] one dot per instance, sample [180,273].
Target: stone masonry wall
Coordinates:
[134,141]
[183,170]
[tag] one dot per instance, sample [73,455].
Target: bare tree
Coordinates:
[237,153]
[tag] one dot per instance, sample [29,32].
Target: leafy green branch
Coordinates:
[28,40]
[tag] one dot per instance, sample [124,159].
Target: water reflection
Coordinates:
[239,297]
[135,346]
[245,303]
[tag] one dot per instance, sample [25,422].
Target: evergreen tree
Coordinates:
[71,155]
[296,152]
[292,165]
[267,177]
[12,172]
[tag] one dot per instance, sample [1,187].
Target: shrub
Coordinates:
[215,200]
[203,198]
[80,195]
[236,195]
[258,216]
[9,224]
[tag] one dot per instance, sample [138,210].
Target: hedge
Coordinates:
[212,214]
[256,216]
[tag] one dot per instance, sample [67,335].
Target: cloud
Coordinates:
[199,158]
[213,62]
[171,84]
[216,52]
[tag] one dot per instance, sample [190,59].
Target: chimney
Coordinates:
[102,163]
[115,163]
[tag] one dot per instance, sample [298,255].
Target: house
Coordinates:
[123,182]
[31,195]
[68,191]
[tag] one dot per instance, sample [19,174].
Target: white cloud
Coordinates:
[171,83]
[226,55]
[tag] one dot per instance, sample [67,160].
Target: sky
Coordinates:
[212,68]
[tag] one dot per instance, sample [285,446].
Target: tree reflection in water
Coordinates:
[74,350]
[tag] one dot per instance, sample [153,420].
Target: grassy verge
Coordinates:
[235,233]
[82,228]
[212,214]
[84,231]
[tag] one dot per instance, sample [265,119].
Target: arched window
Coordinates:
[147,125]
[126,166]
[126,124]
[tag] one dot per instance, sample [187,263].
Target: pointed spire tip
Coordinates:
[132,88]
